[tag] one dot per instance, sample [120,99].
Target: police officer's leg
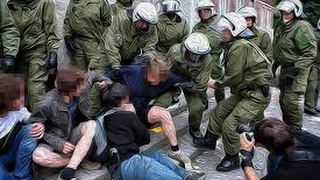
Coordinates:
[78,59]
[216,118]
[196,107]
[310,100]
[248,110]
[292,98]
[37,76]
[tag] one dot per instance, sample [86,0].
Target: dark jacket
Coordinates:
[302,163]
[53,113]
[126,133]
[141,92]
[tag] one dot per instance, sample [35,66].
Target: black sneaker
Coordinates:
[194,175]
[208,141]
[229,163]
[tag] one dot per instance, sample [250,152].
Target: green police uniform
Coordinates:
[170,32]
[263,41]
[9,34]
[119,9]
[313,88]
[196,96]
[295,50]
[86,24]
[248,74]
[125,42]
[215,40]
[37,25]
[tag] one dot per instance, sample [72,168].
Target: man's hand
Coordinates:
[245,144]
[104,84]
[37,130]
[211,83]
[68,148]
[246,150]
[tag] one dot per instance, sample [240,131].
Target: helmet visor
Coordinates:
[222,24]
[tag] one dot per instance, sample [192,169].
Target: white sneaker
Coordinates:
[179,155]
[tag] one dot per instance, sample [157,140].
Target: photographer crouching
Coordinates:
[294,154]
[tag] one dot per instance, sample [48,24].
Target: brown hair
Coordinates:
[11,88]
[274,134]
[163,67]
[68,79]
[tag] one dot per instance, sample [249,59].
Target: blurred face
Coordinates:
[205,14]
[249,22]
[226,35]
[154,77]
[287,16]
[141,25]
[76,92]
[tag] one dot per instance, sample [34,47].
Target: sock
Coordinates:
[175,148]
[67,173]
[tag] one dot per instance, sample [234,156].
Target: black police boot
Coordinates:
[229,163]
[195,133]
[311,111]
[208,141]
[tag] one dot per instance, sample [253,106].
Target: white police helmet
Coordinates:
[145,11]
[170,6]
[207,4]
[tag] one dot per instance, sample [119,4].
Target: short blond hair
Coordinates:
[160,65]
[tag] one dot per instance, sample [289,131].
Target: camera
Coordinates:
[242,128]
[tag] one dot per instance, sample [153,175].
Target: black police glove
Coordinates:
[8,64]
[52,61]
[247,158]
[141,60]
[116,75]
[292,73]
[189,86]
[69,40]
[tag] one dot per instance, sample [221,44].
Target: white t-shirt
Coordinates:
[13,117]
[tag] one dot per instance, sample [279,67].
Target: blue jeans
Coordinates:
[151,166]
[20,155]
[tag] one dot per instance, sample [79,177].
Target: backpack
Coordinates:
[100,148]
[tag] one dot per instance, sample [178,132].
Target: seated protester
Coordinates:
[126,133]
[294,154]
[17,141]
[69,131]
[145,83]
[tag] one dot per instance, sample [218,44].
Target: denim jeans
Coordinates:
[20,155]
[151,166]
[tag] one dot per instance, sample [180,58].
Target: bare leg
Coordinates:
[161,116]
[84,144]
[44,156]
